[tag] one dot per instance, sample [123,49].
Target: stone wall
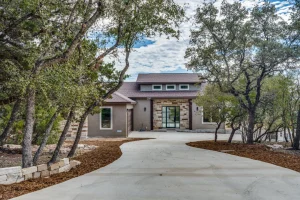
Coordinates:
[10,175]
[184,111]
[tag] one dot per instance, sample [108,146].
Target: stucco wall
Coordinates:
[118,123]
[141,118]
[198,122]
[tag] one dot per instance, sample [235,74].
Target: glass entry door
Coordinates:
[171,117]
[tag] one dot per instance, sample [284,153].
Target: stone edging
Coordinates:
[11,175]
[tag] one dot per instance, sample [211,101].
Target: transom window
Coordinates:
[184,87]
[106,118]
[170,87]
[156,87]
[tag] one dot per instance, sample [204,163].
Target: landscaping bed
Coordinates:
[106,152]
[282,157]
[10,155]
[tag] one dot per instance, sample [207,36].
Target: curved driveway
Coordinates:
[166,168]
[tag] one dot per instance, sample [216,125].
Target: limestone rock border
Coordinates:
[10,175]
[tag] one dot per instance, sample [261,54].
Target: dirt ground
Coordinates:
[107,152]
[285,158]
[10,160]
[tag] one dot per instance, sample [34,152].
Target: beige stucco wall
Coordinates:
[198,121]
[184,111]
[141,118]
[119,125]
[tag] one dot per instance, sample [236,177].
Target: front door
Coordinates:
[171,117]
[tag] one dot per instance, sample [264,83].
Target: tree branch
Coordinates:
[85,26]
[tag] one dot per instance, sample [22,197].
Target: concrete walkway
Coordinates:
[166,168]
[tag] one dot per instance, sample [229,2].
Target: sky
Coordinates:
[162,55]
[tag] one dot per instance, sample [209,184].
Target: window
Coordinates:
[106,118]
[184,87]
[156,87]
[170,87]
[210,116]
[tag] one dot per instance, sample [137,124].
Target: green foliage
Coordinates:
[46,51]
[280,102]
[42,119]
[4,116]
[17,128]
[221,106]
[237,49]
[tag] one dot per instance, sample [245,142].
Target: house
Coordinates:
[155,101]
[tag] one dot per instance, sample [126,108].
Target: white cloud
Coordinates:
[168,54]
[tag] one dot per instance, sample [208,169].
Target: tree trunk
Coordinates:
[12,119]
[37,135]
[45,138]
[231,135]
[216,131]
[290,136]
[62,137]
[28,130]
[79,130]
[284,134]
[250,127]
[297,137]
[243,133]
[293,130]
[96,103]
[233,130]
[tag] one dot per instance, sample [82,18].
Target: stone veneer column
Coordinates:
[184,111]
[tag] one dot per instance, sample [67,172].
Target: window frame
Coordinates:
[111,118]
[171,85]
[156,89]
[188,86]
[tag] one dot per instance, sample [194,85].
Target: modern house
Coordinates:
[154,102]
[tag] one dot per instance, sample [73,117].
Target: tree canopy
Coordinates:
[238,48]
[52,59]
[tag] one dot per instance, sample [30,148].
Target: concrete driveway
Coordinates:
[166,168]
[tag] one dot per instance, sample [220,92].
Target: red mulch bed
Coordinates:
[106,153]
[256,152]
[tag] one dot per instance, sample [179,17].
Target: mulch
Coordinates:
[106,153]
[256,151]
[15,159]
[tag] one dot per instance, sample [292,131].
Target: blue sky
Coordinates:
[162,55]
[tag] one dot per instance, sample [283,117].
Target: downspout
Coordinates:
[151,114]
[190,115]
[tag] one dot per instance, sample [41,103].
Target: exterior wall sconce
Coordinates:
[145,109]
[197,108]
